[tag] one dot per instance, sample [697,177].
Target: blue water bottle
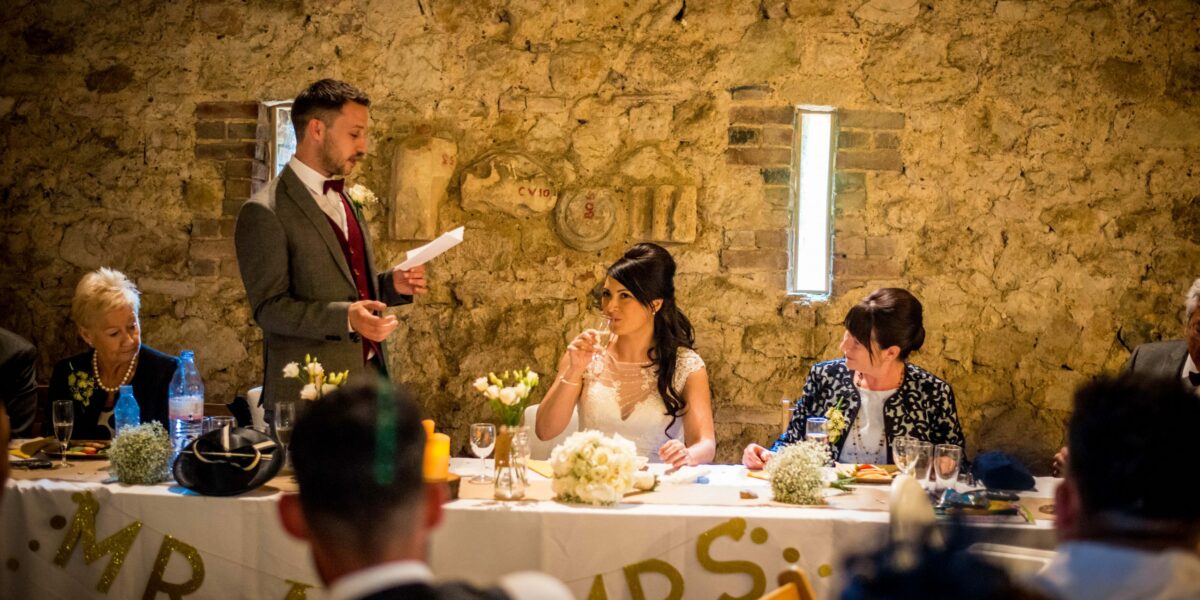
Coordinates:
[127,412]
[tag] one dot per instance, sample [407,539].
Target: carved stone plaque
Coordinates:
[588,219]
[421,170]
[509,183]
[663,213]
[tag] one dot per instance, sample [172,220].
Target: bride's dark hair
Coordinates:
[648,271]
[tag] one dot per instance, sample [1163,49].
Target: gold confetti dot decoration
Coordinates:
[13,564]
[824,570]
[791,555]
[34,546]
[176,591]
[298,591]
[83,527]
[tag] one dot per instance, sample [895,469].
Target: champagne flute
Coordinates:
[483,440]
[285,419]
[602,326]
[64,423]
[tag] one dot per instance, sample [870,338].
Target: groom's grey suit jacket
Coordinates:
[1162,360]
[299,283]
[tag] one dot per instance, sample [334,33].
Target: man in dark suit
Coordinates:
[1172,359]
[305,253]
[368,513]
[18,385]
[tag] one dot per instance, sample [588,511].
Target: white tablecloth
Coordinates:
[244,553]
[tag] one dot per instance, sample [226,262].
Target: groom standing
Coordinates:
[305,254]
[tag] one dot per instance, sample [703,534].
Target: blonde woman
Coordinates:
[105,309]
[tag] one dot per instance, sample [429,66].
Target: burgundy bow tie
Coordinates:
[336,185]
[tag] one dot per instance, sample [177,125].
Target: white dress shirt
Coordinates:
[330,202]
[1095,571]
[526,585]
[1189,367]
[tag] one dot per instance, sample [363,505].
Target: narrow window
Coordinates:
[812,201]
[283,136]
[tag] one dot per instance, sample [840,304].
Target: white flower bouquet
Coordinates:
[319,382]
[361,195]
[591,468]
[141,455]
[508,393]
[796,473]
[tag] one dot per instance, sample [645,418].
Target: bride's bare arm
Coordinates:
[554,413]
[701,442]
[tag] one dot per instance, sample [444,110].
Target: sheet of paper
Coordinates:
[423,254]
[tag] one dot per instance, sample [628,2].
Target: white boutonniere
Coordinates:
[360,195]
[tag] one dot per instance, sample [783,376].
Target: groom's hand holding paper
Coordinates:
[409,276]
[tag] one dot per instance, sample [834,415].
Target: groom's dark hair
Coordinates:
[323,100]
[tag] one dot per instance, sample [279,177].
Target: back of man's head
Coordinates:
[358,455]
[1127,437]
[323,100]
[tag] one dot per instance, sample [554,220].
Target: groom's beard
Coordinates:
[335,166]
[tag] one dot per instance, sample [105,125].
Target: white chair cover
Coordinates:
[539,450]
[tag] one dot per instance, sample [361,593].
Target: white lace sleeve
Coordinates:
[686,363]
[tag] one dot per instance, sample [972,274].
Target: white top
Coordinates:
[330,202]
[1095,571]
[1189,367]
[624,399]
[527,585]
[866,441]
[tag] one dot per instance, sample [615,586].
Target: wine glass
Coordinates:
[64,423]
[483,439]
[946,459]
[602,326]
[902,453]
[285,419]
[922,459]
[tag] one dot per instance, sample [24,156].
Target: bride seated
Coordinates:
[648,382]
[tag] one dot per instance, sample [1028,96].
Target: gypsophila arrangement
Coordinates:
[141,455]
[835,423]
[319,382]
[81,385]
[591,468]
[508,393]
[361,195]
[796,476]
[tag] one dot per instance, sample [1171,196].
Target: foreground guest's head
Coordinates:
[885,327]
[331,119]
[926,569]
[105,309]
[358,456]
[1192,321]
[1126,438]
[639,294]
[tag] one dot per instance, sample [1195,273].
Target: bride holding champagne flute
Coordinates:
[633,371]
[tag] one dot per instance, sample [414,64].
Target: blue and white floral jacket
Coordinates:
[923,407]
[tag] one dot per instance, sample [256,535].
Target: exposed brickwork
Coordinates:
[759,156]
[870,160]
[754,260]
[870,119]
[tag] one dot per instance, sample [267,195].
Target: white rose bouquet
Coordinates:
[319,382]
[508,393]
[591,468]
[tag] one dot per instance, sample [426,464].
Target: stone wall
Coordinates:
[1025,167]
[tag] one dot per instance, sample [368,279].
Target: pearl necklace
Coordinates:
[100,382]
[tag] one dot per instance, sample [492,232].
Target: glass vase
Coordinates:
[512,456]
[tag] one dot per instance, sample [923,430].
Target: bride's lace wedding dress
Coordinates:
[624,399]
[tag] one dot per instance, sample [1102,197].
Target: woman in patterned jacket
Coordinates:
[879,394]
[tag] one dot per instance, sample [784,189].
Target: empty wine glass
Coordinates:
[922,459]
[946,460]
[602,326]
[64,424]
[902,452]
[285,419]
[483,440]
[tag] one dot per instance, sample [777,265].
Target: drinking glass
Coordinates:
[602,325]
[483,440]
[817,429]
[922,459]
[64,423]
[946,459]
[285,419]
[902,451]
